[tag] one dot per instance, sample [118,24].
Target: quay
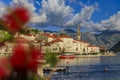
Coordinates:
[87,56]
[55,69]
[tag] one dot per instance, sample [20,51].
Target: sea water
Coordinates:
[97,68]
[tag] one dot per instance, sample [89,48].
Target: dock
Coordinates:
[55,69]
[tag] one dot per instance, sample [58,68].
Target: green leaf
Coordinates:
[51,58]
[4,36]
[7,36]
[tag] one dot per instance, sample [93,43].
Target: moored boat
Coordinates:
[67,56]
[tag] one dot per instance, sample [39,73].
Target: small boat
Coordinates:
[67,56]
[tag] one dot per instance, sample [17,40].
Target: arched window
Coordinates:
[77,49]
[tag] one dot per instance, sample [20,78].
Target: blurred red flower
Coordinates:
[16,18]
[27,58]
[36,56]
[18,58]
[4,67]
[22,13]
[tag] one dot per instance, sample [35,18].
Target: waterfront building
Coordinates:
[64,43]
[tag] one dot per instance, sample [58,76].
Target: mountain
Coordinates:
[89,37]
[116,47]
[50,31]
[108,38]
[70,30]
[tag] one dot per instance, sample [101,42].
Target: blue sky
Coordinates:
[92,15]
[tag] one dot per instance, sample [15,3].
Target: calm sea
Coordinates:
[90,69]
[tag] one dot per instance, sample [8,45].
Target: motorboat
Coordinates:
[67,56]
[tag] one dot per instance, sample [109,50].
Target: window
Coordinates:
[54,49]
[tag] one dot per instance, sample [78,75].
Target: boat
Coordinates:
[67,56]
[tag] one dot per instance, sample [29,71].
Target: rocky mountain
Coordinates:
[89,37]
[106,38]
[116,47]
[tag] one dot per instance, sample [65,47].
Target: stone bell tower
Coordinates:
[78,35]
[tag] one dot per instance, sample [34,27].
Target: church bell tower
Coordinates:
[78,35]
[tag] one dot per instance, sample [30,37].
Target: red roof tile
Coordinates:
[74,41]
[64,36]
[51,35]
[56,40]
[82,41]
[92,46]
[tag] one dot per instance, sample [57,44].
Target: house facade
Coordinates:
[64,43]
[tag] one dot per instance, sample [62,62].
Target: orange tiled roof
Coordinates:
[51,35]
[81,41]
[56,40]
[92,46]
[64,36]
[74,41]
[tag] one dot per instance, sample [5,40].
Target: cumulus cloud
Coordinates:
[113,23]
[26,3]
[82,17]
[58,13]
[29,4]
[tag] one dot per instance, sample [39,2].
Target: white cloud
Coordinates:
[82,17]
[113,23]
[39,18]
[57,13]
[26,3]
[56,6]
[29,4]
[2,9]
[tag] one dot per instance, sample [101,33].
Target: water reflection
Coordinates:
[79,61]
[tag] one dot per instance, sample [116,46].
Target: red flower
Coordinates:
[27,58]
[4,67]
[35,58]
[16,18]
[18,59]
[11,23]
[22,14]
